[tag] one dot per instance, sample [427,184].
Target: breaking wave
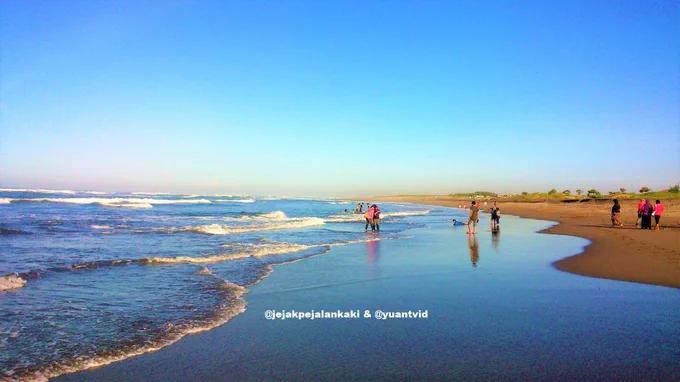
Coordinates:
[12,281]
[251,200]
[224,229]
[115,202]
[255,250]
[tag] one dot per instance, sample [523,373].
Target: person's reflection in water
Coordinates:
[474,250]
[495,238]
[373,249]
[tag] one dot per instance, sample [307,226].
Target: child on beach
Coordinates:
[455,223]
[495,217]
[658,209]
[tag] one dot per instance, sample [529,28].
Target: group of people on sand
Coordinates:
[372,216]
[645,211]
[473,218]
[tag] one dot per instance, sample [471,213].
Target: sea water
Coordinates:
[88,278]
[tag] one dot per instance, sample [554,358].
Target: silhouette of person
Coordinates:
[495,238]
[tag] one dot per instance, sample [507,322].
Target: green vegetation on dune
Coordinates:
[673,192]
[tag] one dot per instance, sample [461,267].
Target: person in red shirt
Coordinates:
[369,219]
[658,209]
[640,204]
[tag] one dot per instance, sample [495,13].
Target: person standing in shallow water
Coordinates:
[369,219]
[495,217]
[616,214]
[376,218]
[472,218]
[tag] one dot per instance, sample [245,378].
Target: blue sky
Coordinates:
[339,98]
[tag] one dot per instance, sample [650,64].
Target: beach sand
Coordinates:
[625,254]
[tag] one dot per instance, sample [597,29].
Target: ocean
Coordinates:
[93,277]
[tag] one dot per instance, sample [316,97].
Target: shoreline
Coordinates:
[624,254]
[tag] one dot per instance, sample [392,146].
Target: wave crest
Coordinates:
[115,202]
[224,229]
[12,281]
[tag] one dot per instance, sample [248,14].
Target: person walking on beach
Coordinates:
[647,211]
[639,212]
[369,219]
[658,209]
[495,217]
[473,217]
[376,218]
[616,214]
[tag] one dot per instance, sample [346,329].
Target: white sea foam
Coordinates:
[256,250]
[274,215]
[406,213]
[191,196]
[117,202]
[250,200]
[12,281]
[100,227]
[5,201]
[345,218]
[175,333]
[223,229]
[203,271]
[150,193]
[38,191]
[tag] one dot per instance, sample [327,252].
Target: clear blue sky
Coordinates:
[339,97]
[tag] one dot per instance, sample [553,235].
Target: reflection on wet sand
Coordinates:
[495,238]
[373,250]
[474,249]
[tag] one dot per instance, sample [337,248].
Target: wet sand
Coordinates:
[625,254]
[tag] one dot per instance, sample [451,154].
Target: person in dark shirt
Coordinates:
[616,214]
[473,217]
[495,217]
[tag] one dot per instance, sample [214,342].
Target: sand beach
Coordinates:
[625,254]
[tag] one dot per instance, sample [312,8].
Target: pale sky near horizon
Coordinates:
[339,98]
